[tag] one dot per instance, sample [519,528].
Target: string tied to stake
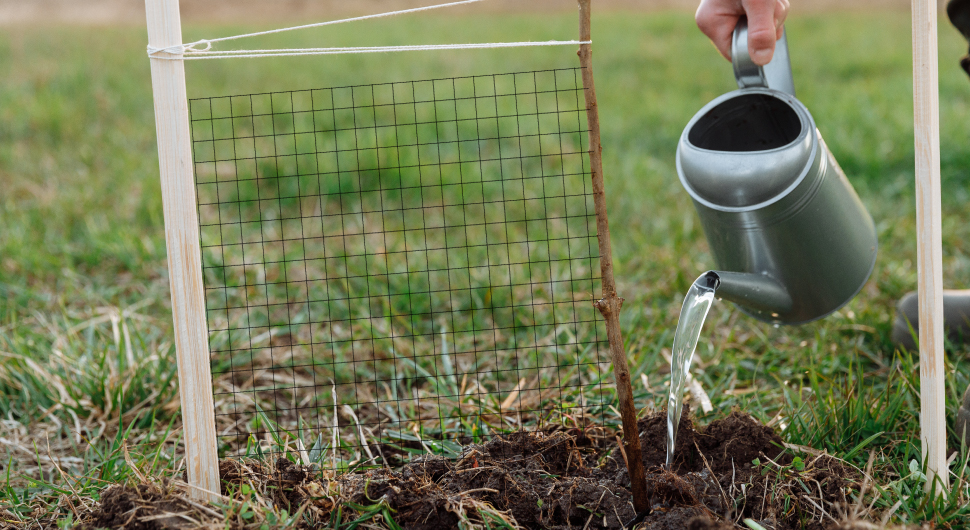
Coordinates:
[191,50]
[179,50]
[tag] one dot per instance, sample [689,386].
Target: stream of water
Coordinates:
[692,315]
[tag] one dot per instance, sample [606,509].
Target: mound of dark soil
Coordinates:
[544,480]
[536,480]
[727,487]
[147,507]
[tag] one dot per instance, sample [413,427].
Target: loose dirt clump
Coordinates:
[147,507]
[735,468]
[534,480]
[738,440]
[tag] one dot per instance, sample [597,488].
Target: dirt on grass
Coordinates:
[734,469]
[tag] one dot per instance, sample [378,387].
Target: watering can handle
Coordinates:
[775,75]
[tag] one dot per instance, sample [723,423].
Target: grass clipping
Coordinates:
[734,472]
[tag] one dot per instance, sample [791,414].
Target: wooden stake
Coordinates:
[610,304]
[184,254]
[926,106]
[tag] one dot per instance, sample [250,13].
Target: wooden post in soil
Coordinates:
[184,253]
[926,106]
[610,304]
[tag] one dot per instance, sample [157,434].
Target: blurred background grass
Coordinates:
[85,322]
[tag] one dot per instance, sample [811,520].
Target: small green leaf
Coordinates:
[317,451]
[66,522]
[862,445]
[753,525]
[798,464]
[756,462]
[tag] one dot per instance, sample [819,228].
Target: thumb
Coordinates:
[761,30]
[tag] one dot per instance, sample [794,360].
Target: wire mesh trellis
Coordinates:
[400,267]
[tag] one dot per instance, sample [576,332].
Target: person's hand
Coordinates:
[717,19]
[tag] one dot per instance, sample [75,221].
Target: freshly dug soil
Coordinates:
[145,507]
[554,480]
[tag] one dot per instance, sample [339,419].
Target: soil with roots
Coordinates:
[734,469]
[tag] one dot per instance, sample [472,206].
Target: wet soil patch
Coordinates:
[734,468]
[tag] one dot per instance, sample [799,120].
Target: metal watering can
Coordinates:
[792,241]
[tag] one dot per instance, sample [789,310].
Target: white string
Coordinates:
[188,51]
[240,54]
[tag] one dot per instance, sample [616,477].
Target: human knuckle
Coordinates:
[704,20]
[762,37]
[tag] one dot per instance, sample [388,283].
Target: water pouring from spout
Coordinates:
[697,303]
[750,290]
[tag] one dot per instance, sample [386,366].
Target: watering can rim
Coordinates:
[807,128]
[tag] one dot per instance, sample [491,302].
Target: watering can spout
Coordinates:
[756,292]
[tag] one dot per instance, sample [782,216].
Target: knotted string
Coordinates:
[190,50]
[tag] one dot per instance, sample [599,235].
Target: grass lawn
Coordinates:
[87,365]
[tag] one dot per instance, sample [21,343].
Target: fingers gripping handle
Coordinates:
[775,75]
